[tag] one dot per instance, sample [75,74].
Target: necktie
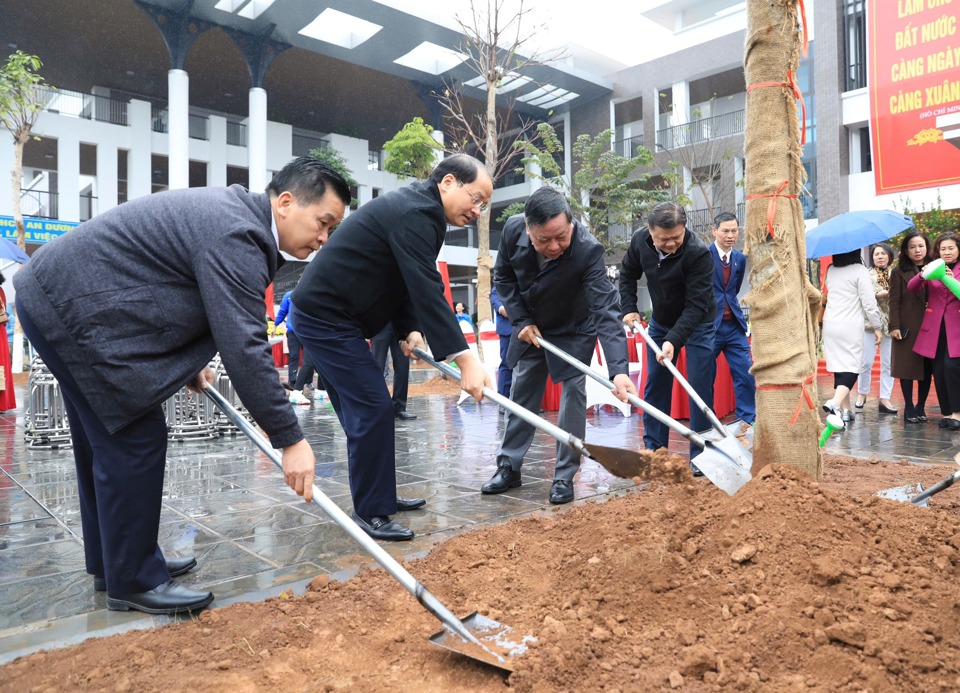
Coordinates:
[726,260]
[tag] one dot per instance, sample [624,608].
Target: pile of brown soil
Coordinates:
[434,386]
[791,585]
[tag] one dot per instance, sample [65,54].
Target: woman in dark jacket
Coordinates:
[906,314]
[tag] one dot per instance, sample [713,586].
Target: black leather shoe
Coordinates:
[884,409]
[404,504]
[404,416]
[287,386]
[168,598]
[953,424]
[561,492]
[382,527]
[503,480]
[175,566]
[695,470]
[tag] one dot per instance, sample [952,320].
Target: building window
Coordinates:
[855,44]
[866,162]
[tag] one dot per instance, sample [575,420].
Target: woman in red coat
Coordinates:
[939,336]
[8,399]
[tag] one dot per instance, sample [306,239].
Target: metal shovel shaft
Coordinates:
[538,422]
[428,600]
[707,411]
[936,488]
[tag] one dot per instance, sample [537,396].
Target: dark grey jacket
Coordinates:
[570,299]
[137,301]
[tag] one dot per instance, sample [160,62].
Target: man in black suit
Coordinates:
[679,272]
[551,278]
[380,267]
[131,306]
[386,341]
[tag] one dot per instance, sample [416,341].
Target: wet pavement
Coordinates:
[225,503]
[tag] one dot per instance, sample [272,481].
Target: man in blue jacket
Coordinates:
[731,326]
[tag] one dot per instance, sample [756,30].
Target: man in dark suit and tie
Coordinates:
[731,339]
[551,277]
[380,267]
[502,322]
[131,306]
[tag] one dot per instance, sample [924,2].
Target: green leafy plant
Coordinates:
[334,159]
[412,151]
[930,222]
[20,105]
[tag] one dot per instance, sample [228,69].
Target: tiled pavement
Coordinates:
[226,504]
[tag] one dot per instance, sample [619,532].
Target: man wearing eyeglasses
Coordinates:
[550,276]
[379,268]
[731,338]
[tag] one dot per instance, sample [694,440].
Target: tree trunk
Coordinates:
[782,300]
[484,261]
[19,140]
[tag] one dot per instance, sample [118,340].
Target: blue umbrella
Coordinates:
[9,251]
[853,230]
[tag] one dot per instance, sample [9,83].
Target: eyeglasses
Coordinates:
[476,199]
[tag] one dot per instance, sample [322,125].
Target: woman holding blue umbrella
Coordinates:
[850,301]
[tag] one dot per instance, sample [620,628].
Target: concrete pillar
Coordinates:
[257,140]
[833,146]
[217,167]
[681,103]
[139,163]
[68,176]
[178,128]
[106,189]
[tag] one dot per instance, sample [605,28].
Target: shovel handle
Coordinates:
[936,488]
[640,404]
[538,422]
[430,602]
[707,411]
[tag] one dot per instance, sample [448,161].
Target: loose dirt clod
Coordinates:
[837,590]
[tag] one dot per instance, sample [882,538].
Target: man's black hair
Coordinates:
[544,204]
[724,216]
[852,257]
[667,215]
[307,179]
[463,167]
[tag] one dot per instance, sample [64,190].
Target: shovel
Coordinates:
[915,494]
[724,431]
[725,462]
[625,464]
[475,636]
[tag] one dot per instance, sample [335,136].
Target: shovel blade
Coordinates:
[625,464]
[726,463]
[904,494]
[499,642]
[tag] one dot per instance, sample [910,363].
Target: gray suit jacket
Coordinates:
[569,299]
[137,301]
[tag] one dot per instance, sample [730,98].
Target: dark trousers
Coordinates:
[387,340]
[701,370]
[120,478]
[358,393]
[294,348]
[946,376]
[732,341]
[504,372]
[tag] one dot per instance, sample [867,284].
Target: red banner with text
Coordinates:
[914,78]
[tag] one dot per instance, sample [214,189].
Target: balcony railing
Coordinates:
[79,105]
[628,147]
[41,204]
[198,127]
[236,134]
[88,207]
[158,116]
[303,144]
[701,130]
[510,178]
[374,162]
